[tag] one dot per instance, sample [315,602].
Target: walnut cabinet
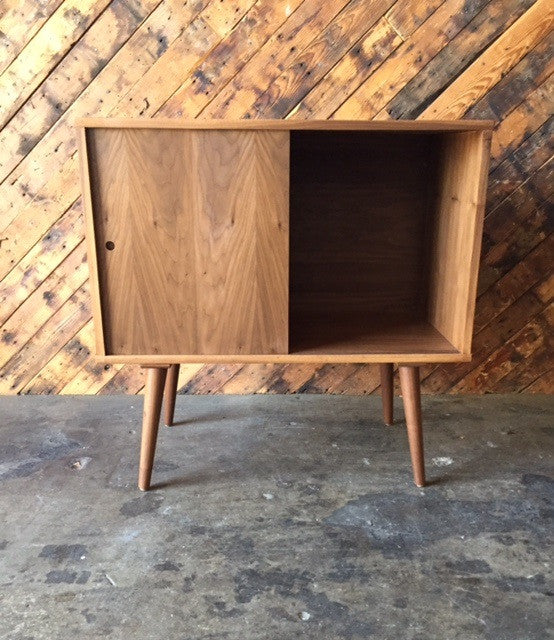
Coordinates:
[283,241]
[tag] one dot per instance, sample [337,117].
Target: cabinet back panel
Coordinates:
[361,216]
[191,234]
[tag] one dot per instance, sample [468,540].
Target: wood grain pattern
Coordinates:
[19,22]
[457,236]
[500,57]
[44,51]
[285,125]
[191,235]
[374,94]
[489,59]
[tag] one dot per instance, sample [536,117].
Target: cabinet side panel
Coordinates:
[480,160]
[177,216]
[457,235]
[99,345]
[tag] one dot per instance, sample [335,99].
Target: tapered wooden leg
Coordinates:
[150,421]
[409,382]
[170,392]
[387,392]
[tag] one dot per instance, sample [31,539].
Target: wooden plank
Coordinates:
[52,376]
[219,67]
[523,345]
[466,45]
[91,377]
[129,380]
[50,338]
[436,126]
[406,17]
[434,349]
[165,76]
[64,85]
[457,236]
[44,302]
[347,75]
[33,222]
[196,237]
[533,194]
[545,290]
[210,379]
[520,374]
[362,381]
[523,121]
[515,170]
[92,258]
[289,378]
[504,255]
[313,62]
[222,17]
[489,68]
[19,23]
[517,83]
[406,61]
[249,379]
[543,384]
[325,377]
[43,52]
[45,256]
[297,32]
[514,283]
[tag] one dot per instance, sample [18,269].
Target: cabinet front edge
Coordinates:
[288,125]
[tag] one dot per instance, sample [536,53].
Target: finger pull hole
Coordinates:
[110,246]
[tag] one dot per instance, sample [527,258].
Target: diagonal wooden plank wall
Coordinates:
[60,59]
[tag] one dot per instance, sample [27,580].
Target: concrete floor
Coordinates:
[275,517]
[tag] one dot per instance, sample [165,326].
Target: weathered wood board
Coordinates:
[380,59]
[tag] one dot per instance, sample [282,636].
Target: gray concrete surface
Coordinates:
[275,518]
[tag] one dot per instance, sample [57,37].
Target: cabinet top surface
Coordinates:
[288,125]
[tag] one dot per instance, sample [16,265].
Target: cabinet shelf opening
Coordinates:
[373,217]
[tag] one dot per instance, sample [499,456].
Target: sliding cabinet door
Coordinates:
[191,236]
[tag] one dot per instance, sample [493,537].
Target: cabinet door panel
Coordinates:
[191,230]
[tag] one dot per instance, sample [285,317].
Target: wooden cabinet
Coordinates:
[283,241]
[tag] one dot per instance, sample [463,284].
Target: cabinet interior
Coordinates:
[375,221]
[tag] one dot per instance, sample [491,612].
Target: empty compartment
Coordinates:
[378,222]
